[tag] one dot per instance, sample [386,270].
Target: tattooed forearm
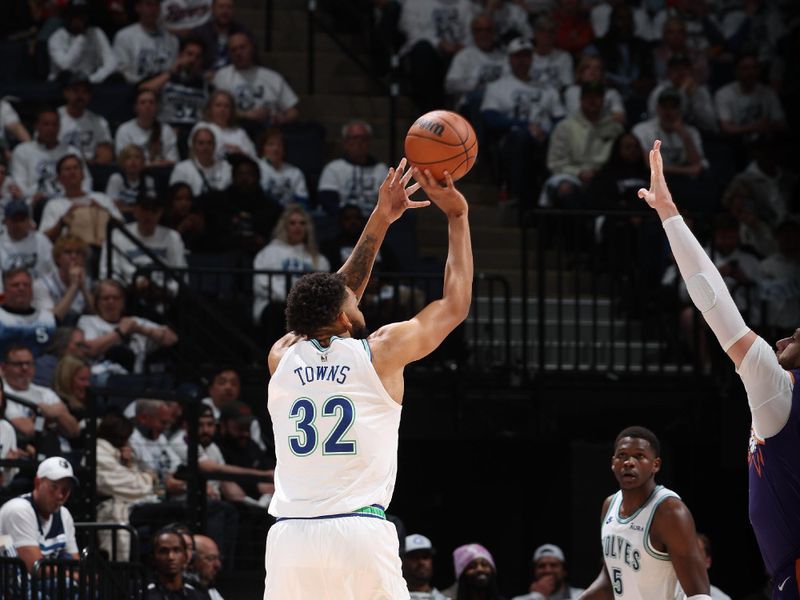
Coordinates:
[359,266]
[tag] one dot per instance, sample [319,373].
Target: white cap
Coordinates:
[548,550]
[418,542]
[518,45]
[55,468]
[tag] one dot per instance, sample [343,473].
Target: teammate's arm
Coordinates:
[394,197]
[411,340]
[769,404]
[601,587]
[673,529]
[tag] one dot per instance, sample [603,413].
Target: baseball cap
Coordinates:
[669,94]
[55,468]
[546,550]
[463,555]
[416,542]
[238,411]
[519,44]
[17,207]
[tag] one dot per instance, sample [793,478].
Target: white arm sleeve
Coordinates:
[705,285]
[769,389]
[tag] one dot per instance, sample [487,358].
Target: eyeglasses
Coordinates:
[19,363]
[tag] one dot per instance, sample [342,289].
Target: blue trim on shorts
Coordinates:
[337,516]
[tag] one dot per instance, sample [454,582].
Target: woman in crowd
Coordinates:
[203,171]
[220,113]
[590,68]
[283,183]
[68,286]
[156,139]
[293,249]
[70,382]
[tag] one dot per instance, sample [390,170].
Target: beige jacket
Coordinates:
[579,145]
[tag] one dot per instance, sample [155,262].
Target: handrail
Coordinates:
[390,88]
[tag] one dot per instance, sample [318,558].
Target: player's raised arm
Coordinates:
[411,340]
[704,283]
[394,197]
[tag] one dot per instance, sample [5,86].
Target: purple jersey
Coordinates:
[774,466]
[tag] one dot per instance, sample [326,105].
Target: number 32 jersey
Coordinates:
[637,570]
[336,430]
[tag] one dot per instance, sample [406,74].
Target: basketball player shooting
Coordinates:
[335,401]
[770,379]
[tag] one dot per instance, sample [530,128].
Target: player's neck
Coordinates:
[634,499]
[324,337]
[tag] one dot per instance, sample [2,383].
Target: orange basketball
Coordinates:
[441,141]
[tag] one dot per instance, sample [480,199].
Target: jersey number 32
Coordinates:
[304,412]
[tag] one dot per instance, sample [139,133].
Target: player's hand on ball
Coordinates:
[394,195]
[446,197]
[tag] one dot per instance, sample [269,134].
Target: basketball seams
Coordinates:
[423,143]
[442,142]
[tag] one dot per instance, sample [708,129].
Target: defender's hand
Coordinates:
[658,196]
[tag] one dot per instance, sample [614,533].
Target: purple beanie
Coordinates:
[463,555]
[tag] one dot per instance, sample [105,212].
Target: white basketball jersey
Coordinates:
[636,569]
[335,429]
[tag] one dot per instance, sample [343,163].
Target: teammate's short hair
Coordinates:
[314,302]
[642,433]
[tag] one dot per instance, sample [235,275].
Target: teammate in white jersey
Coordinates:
[335,402]
[649,539]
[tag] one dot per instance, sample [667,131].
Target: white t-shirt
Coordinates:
[355,184]
[22,522]
[735,106]
[88,53]
[35,393]
[8,442]
[33,168]
[555,69]
[215,177]
[280,256]
[165,243]
[672,147]
[697,109]
[34,252]
[120,189]
[436,21]
[285,185]
[184,14]
[236,137]
[524,100]
[83,133]
[256,87]
[612,101]
[58,207]
[8,116]
[156,454]
[131,133]
[143,54]
[472,69]
[93,326]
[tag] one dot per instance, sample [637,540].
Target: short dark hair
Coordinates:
[65,158]
[9,273]
[15,348]
[642,433]
[314,302]
[170,529]
[115,429]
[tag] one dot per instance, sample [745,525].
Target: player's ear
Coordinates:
[344,320]
[657,464]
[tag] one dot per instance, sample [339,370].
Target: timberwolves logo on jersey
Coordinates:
[79,138]
[247,96]
[280,189]
[46,177]
[755,458]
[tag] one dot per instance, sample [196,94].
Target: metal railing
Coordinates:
[598,301]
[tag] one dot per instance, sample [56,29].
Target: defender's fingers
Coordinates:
[642,193]
[418,203]
[406,177]
[412,188]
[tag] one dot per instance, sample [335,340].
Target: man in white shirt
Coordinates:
[151,450]
[38,523]
[354,178]
[262,95]
[145,49]
[127,257]
[20,322]
[18,372]
[33,163]
[216,31]
[21,245]
[550,65]
[79,126]
[473,67]
[80,48]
